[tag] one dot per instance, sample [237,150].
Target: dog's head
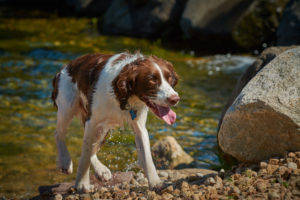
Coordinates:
[152,80]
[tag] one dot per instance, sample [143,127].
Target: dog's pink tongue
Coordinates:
[168,115]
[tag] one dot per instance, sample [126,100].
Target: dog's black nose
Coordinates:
[173,99]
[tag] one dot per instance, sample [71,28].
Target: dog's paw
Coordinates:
[102,173]
[65,165]
[156,185]
[85,188]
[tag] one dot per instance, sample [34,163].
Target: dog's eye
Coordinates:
[152,81]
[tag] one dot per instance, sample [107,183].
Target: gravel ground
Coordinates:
[277,178]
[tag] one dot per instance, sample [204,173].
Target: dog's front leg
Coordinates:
[144,152]
[92,135]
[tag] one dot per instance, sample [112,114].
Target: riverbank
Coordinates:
[276,178]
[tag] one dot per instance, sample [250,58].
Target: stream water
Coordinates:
[33,50]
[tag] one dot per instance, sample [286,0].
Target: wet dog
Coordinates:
[106,91]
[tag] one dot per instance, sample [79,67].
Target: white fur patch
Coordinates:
[165,90]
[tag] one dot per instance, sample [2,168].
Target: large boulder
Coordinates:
[288,32]
[168,154]
[264,120]
[152,18]
[201,17]
[264,58]
[247,23]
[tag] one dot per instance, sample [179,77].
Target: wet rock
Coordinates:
[248,131]
[167,153]
[142,18]
[288,32]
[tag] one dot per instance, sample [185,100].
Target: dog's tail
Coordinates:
[55,88]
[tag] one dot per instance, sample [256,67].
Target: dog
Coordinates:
[106,91]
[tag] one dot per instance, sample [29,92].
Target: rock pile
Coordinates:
[276,178]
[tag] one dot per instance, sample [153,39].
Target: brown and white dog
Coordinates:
[106,91]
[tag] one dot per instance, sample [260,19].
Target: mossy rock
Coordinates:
[259,24]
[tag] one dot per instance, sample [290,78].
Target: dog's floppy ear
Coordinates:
[124,83]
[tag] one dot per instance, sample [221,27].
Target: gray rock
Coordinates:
[151,18]
[168,154]
[201,17]
[288,32]
[246,23]
[292,165]
[264,119]
[264,58]
[163,174]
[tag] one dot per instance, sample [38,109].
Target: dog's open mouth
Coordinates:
[162,112]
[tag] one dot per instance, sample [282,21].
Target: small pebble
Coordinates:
[200,175]
[163,174]
[58,197]
[85,196]
[292,155]
[209,181]
[273,161]
[167,196]
[292,165]
[169,189]
[261,186]
[273,195]
[184,184]
[263,165]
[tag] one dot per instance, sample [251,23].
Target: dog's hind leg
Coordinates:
[64,162]
[66,102]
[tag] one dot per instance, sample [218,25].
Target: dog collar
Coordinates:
[132,114]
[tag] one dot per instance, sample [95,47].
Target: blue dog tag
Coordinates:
[132,114]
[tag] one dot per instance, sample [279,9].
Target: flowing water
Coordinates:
[33,50]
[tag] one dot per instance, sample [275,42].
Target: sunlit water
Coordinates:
[27,117]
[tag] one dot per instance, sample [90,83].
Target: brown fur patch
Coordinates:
[85,71]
